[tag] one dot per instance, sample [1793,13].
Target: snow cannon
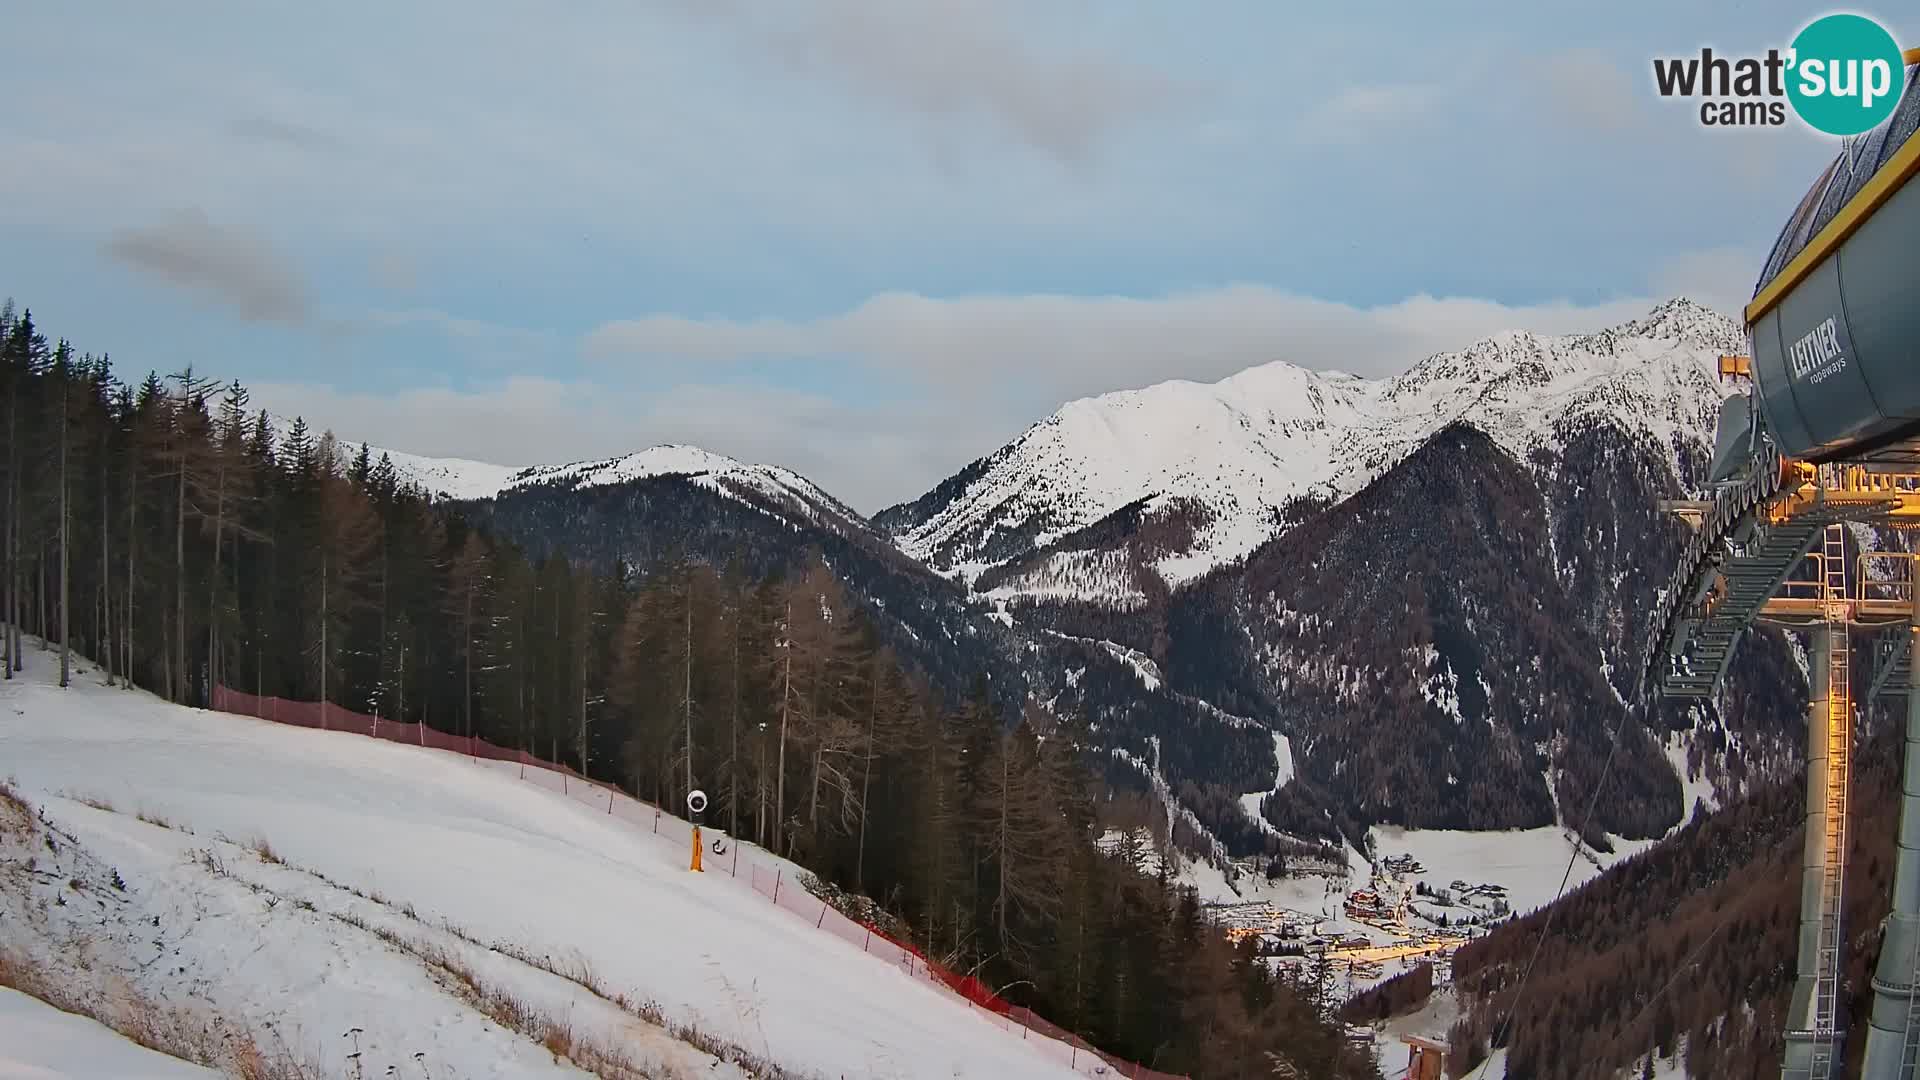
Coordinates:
[696,806]
[1835,317]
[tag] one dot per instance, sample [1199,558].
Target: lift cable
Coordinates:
[1553,906]
[1685,965]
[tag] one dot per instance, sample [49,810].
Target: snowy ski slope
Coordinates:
[39,1042]
[441,841]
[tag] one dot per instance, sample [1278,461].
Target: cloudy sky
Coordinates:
[868,239]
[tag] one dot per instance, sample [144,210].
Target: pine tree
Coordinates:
[191,460]
[229,492]
[348,534]
[1024,838]
[467,602]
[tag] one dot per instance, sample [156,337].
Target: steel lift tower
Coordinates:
[1825,436]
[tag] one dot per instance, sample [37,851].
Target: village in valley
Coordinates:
[1362,933]
[1354,923]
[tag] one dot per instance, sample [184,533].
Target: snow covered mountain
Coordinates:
[765,486]
[1204,473]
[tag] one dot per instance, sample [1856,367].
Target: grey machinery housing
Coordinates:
[1836,360]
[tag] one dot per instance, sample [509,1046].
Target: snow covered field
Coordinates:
[39,1042]
[1528,863]
[396,872]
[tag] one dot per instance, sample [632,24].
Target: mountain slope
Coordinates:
[758,522]
[301,940]
[1384,635]
[672,502]
[1708,919]
[1216,466]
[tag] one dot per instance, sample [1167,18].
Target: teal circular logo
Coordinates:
[1845,75]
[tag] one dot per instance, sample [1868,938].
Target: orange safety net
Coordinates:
[756,870]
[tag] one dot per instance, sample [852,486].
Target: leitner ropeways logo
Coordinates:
[1843,75]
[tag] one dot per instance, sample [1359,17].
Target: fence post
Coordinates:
[776,884]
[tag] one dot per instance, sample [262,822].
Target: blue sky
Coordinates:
[867,239]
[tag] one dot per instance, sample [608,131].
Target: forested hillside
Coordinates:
[1686,950]
[172,533]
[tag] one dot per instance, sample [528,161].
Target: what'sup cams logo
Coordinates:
[1842,76]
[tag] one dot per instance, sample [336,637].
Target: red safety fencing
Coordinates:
[756,869]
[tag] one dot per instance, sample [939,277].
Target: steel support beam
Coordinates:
[1893,1031]
[1814,1025]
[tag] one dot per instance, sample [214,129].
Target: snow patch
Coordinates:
[38,1040]
[1527,863]
[1283,772]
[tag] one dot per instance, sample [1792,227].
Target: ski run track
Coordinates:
[305,886]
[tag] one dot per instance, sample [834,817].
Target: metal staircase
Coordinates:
[1892,663]
[1682,603]
[1753,574]
[1739,557]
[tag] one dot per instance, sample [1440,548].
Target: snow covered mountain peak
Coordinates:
[1215,464]
[766,486]
[1682,319]
[762,484]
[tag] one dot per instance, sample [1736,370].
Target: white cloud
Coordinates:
[1047,347]
[477,331]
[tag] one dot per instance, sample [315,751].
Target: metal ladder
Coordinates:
[1839,737]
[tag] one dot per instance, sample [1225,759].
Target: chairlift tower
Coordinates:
[1825,436]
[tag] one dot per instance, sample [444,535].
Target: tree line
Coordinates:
[184,540]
